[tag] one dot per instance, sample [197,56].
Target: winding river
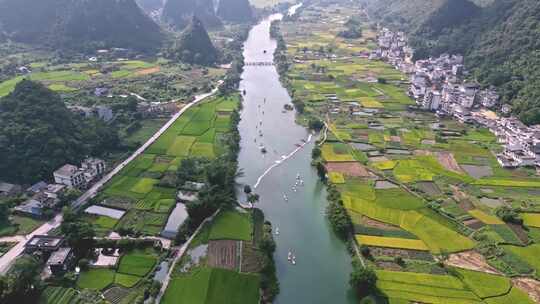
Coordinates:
[322,262]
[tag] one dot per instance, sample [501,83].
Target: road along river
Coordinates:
[291,195]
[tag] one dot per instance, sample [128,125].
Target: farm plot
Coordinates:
[213,286]
[96,278]
[527,254]
[422,223]
[425,288]
[531,219]
[230,225]
[424,168]
[486,218]
[391,242]
[353,169]
[337,153]
[483,284]
[136,263]
[223,254]
[192,134]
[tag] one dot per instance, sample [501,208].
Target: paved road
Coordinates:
[179,253]
[90,193]
[11,255]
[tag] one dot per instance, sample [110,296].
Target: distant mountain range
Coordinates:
[194,45]
[79,24]
[179,12]
[499,38]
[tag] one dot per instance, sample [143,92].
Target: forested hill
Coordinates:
[500,41]
[179,13]
[194,45]
[38,134]
[235,10]
[80,24]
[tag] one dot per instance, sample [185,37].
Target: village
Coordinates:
[440,85]
[42,198]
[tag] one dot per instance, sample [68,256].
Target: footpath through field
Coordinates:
[15,251]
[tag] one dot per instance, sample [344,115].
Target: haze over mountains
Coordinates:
[83,25]
[79,24]
[500,41]
[179,12]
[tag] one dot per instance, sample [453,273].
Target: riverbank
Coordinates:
[295,206]
[407,180]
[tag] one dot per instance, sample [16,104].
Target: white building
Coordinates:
[70,176]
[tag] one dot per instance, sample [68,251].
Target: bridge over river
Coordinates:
[259,63]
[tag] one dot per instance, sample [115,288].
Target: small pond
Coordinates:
[176,219]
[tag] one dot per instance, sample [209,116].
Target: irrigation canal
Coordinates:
[322,262]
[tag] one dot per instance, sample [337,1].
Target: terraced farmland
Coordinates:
[139,185]
[432,185]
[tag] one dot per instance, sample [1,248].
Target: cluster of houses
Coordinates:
[60,258]
[43,196]
[437,84]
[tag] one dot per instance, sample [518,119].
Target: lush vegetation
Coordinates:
[194,45]
[499,40]
[180,12]
[38,134]
[235,10]
[80,25]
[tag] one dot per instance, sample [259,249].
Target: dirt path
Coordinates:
[470,260]
[447,160]
[529,286]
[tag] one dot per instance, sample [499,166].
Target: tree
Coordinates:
[78,233]
[21,284]
[509,215]
[253,198]
[362,279]
[316,153]
[339,219]
[315,124]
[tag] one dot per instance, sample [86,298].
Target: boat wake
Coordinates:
[281,161]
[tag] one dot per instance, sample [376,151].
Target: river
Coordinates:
[322,263]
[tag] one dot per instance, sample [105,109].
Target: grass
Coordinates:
[126,280]
[25,224]
[202,150]
[330,154]
[514,296]
[484,284]
[425,288]
[136,263]
[144,185]
[506,234]
[527,254]
[149,127]
[230,225]
[507,183]
[97,278]
[384,165]
[434,231]
[424,168]
[181,146]
[486,218]
[7,86]
[213,286]
[336,178]
[391,242]
[531,219]
[61,88]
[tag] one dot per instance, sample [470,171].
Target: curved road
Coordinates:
[13,253]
